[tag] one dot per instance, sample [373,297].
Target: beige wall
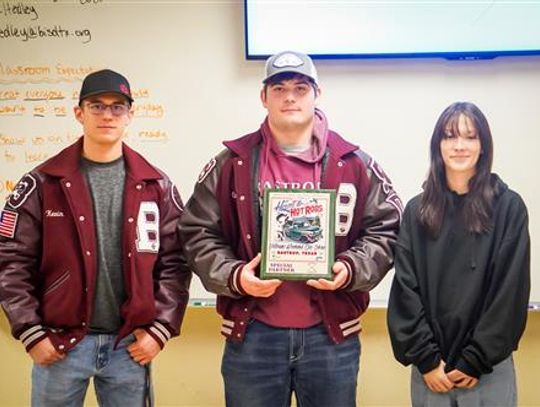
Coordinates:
[187,372]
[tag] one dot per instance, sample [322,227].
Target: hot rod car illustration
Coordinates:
[304,229]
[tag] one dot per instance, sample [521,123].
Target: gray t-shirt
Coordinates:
[106,183]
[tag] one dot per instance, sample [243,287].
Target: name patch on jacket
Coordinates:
[50,213]
[22,191]
[148,228]
[8,223]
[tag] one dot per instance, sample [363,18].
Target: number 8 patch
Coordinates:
[148,228]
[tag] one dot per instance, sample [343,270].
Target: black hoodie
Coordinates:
[461,297]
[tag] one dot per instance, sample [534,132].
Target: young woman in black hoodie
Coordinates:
[458,303]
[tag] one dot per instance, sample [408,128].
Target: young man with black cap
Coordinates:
[92,276]
[285,336]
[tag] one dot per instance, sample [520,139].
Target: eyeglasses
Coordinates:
[117,109]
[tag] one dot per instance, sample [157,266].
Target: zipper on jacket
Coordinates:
[57,283]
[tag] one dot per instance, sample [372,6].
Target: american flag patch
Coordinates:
[8,223]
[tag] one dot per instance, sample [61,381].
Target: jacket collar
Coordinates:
[339,146]
[242,146]
[68,160]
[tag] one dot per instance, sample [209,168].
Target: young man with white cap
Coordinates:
[290,336]
[92,276]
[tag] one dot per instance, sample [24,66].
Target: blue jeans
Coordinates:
[271,363]
[118,380]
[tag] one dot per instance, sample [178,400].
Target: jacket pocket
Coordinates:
[57,283]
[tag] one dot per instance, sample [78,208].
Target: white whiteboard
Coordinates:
[195,89]
[392,27]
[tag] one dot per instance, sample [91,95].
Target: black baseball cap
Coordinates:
[105,81]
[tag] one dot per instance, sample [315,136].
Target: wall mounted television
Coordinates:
[392,29]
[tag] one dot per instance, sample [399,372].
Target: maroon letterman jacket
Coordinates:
[48,263]
[220,229]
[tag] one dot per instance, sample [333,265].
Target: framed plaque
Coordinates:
[298,234]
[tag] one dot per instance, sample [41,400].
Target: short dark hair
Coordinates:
[287,76]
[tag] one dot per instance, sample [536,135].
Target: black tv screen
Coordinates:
[392,29]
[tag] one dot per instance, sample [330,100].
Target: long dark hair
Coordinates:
[478,205]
